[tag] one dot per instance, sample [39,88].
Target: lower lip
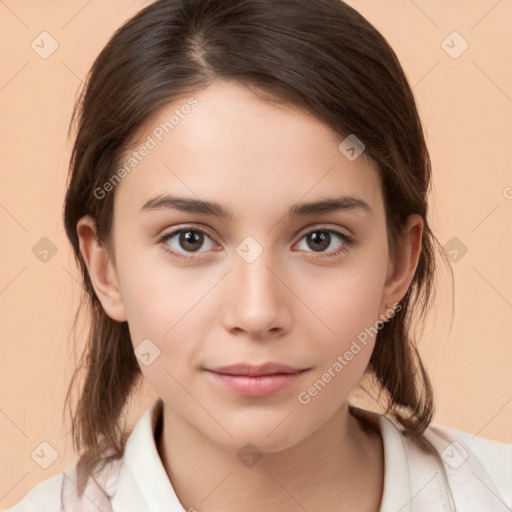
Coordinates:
[257,387]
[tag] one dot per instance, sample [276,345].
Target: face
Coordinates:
[270,282]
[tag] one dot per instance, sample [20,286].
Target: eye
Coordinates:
[185,240]
[322,238]
[182,243]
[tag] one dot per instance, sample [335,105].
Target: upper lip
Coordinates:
[248,369]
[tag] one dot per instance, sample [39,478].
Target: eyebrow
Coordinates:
[190,205]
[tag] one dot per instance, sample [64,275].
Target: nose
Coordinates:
[257,301]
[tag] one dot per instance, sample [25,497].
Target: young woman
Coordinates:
[247,202]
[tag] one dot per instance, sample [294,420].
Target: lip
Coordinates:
[256,381]
[255,370]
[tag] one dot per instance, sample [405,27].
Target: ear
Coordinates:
[101,269]
[403,265]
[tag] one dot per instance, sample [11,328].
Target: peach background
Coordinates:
[466,107]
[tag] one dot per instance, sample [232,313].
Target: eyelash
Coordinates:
[348,241]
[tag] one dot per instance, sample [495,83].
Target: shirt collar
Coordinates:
[144,485]
[396,494]
[143,481]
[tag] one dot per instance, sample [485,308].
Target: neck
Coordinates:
[337,467]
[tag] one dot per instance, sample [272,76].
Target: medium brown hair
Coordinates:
[319,55]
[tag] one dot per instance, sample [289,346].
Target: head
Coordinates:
[213,101]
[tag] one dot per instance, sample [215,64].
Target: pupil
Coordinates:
[188,238]
[321,239]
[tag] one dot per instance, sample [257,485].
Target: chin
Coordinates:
[268,436]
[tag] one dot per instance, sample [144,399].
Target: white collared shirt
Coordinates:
[464,473]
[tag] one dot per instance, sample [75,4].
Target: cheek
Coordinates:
[348,303]
[343,351]
[158,295]
[348,307]
[166,308]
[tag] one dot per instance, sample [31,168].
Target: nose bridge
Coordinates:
[257,301]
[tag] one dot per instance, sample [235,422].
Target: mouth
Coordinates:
[256,370]
[256,382]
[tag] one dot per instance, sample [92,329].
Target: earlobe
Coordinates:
[402,267]
[101,269]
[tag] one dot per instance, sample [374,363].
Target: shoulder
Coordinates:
[479,470]
[62,492]
[495,457]
[44,496]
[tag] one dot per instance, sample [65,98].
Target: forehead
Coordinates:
[227,142]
